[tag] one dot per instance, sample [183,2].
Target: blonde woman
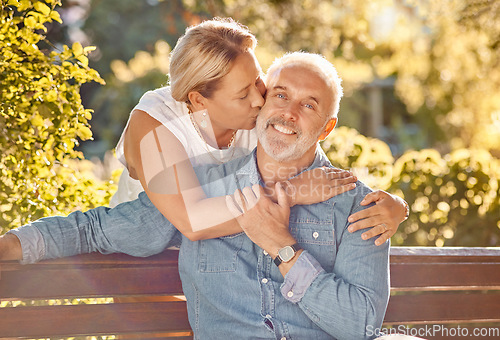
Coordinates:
[207,115]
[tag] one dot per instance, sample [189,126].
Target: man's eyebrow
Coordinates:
[315,99]
[283,88]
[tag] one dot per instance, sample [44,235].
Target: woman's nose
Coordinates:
[257,97]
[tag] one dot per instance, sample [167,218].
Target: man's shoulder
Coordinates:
[354,196]
[224,179]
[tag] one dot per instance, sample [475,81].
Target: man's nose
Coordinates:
[291,111]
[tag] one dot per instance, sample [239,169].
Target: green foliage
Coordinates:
[448,73]
[369,159]
[124,88]
[455,199]
[120,28]
[41,118]
[443,54]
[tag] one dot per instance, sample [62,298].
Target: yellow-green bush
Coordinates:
[455,199]
[369,158]
[41,118]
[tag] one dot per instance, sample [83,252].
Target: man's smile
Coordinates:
[283,129]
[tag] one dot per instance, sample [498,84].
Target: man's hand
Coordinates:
[264,222]
[10,248]
[385,216]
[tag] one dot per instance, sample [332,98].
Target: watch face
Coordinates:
[286,253]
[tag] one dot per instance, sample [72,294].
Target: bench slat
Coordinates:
[118,318]
[428,308]
[90,282]
[439,276]
[92,275]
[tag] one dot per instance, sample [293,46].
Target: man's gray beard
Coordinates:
[279,151]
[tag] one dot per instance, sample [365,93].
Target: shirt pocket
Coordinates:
[220,254]
[315,233]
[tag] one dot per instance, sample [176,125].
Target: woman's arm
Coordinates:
[157,158]
[384,216]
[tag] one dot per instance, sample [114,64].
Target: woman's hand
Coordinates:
[318,185]
[385,216]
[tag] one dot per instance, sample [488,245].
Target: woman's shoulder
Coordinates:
[159,103]
[159,95]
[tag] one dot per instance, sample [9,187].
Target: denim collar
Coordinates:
[249,168]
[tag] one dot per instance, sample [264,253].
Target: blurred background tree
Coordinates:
[417,76]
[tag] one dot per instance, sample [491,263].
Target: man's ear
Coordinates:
[328,128]
[198,102]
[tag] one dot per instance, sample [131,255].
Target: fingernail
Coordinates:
[364,237]
[350,229]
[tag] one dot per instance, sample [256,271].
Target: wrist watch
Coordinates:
[286,254]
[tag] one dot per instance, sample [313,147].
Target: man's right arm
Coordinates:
[136,228]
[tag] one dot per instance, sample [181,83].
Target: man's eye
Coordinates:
[244,97]
[280,95]
[309,106]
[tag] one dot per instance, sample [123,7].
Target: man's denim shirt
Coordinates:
[337,289]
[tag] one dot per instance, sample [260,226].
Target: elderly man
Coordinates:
[293,274]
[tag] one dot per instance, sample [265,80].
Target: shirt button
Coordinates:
[289,294]
[283,338]
[269,316]
[315,235]
[264,280]
[265,252]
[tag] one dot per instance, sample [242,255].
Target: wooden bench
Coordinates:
[430,286]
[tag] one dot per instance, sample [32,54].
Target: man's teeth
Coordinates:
[283,129]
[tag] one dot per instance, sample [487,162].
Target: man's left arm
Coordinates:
[349,302]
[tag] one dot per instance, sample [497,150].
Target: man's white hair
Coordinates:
[316,63]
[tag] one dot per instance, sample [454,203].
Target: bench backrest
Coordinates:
[429,286]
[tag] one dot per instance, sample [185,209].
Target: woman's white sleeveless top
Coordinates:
[174,115]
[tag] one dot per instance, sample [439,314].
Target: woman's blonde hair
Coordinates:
[205,54]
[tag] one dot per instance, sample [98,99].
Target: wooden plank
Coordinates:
[438,308]
[439,276]
[92,275]
[90,282]
[75,320]
[168,258]
[445,254]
